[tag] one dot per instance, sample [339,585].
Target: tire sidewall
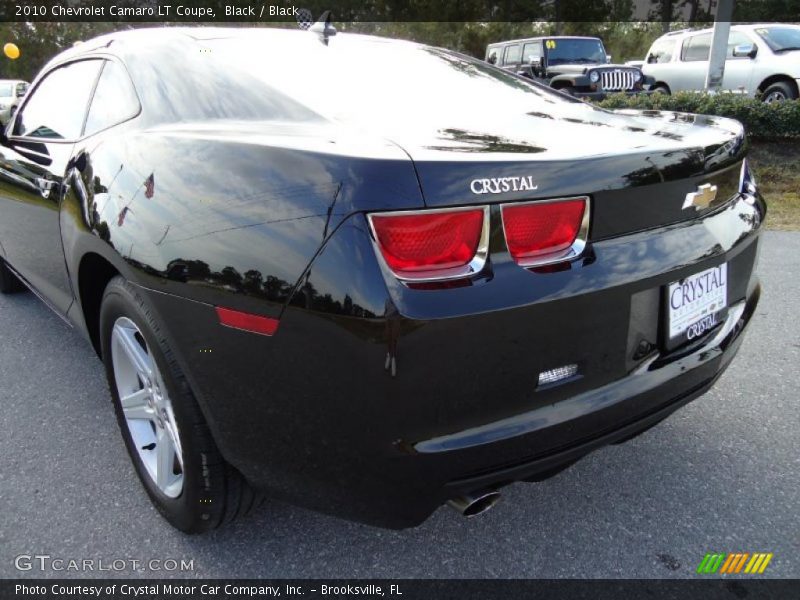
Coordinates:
[785,90]
[121,300]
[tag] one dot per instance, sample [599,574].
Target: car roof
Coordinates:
[127,41]
[682,33]
[546,37]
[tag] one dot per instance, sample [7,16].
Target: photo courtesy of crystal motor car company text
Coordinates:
[360,291]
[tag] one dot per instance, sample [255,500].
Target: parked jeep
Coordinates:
[576,65]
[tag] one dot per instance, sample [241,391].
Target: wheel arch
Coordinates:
[562,81]
[776,79]
[94,273]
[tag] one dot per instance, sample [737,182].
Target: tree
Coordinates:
[39,42]
[253,280]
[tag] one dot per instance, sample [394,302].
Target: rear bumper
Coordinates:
[650,394]
[312,415]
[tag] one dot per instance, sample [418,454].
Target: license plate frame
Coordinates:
[695,305]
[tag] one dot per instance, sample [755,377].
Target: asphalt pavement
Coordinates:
[720,475]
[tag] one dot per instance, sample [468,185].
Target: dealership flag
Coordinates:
[149,186]
[122,214]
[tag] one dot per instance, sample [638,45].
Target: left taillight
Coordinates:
[432,245]
[545,232]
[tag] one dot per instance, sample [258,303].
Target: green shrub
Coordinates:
[775,121]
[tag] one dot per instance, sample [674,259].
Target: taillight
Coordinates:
[747,182]
[430,245]
[546,231]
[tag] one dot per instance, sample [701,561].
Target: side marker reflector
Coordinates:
[247,321]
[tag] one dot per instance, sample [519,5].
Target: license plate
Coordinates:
[697,303]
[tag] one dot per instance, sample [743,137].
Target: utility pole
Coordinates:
[719,44]
[666,15]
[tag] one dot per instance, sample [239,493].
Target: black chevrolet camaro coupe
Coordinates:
[366,276]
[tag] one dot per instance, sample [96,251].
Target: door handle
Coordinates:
[45,186]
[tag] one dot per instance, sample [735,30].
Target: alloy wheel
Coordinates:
[775,96]
[147,407]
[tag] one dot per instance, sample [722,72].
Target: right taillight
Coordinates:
[546,231]
[431,245]
[747,182]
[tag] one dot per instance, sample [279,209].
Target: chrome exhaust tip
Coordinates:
[474,504]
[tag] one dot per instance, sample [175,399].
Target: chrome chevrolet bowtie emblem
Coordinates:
[702,198]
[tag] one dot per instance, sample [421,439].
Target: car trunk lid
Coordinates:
[638,168]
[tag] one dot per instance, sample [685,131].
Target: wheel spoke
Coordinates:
[135,405]
[171,430]
[165,459]
[134,351]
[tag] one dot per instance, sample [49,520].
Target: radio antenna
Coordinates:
[323,27]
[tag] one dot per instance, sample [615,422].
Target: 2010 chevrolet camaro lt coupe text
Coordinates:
[390,278]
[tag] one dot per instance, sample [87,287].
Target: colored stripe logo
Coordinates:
[734,562]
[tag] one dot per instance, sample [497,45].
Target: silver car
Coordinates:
[762,59]
[11,93]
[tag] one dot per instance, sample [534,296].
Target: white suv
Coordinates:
[11,94]
[762,59]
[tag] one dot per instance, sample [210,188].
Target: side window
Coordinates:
[696,48]
[531,51]
[661,52]
[737,38]
[57,106]
[512,55]
[114,99]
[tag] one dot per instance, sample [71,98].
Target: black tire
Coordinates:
[213,492]
[661,89]
[779,92]
[9,283]
[568,90]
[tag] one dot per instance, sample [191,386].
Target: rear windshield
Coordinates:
[277,74]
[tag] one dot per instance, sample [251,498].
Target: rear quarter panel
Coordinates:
[230,219]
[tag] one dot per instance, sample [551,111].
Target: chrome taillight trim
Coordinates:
[571,253]
[747,181]
[474,267]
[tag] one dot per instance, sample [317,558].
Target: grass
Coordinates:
[776,166]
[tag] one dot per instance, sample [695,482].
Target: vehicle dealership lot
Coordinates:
[721,475]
